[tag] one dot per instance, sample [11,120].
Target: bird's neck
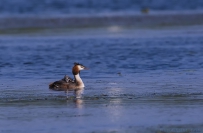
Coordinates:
[79,81]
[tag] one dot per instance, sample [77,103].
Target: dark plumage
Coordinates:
[68,83]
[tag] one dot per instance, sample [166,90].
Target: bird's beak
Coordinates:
[86,68]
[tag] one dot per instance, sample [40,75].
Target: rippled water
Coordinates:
[39,7]
[138,83]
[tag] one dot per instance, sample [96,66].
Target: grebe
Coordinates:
[68,84]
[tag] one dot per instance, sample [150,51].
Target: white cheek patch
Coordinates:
[81,68]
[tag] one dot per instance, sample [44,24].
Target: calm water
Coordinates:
[51,7]
[148,81]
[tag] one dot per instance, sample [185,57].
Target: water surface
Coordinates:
[87,7]
[145,81]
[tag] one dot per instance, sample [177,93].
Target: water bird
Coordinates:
[145,10]
[68,84]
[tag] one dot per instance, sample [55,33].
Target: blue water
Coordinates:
[138,81]
[93,6]
[29,57]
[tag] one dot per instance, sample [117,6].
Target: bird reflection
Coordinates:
[79,103]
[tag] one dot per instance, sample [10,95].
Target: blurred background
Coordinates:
[94,13]
[68,7]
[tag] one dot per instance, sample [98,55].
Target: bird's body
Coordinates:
[67,83]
